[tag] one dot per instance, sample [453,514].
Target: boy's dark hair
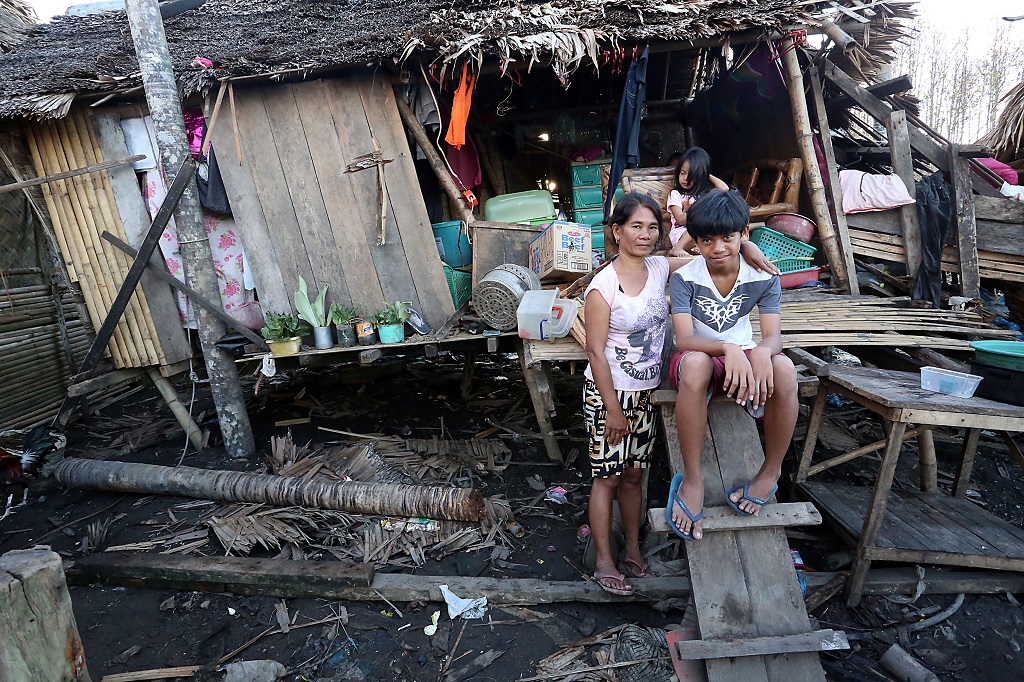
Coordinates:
[631,202]
[717,214]
[699,175]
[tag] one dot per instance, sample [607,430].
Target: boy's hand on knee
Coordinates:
[739,376]
[764,375]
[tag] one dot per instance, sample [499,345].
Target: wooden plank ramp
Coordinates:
[744,584]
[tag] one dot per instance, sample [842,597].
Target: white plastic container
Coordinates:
[542,315]
[949,382]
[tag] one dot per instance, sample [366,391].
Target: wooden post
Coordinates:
[815,186]
[540,396]
[903,166]
[168,121]
[966,227]
[928,464]
[37,626]
[835,191]
[438,166]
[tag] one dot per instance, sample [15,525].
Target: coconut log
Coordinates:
[40,641]
[387,499]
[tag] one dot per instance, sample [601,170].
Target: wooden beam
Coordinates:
[835,191]
[290,579]
[893,86]
[999,209]
[821,640]
[967,227]
[903,166]
[71,173]
[170,396]
[103,381]
[777,515]
[845,276]
[192,294]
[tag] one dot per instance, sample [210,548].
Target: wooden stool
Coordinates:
[921,527]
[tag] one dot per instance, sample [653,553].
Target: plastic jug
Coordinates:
[542,315]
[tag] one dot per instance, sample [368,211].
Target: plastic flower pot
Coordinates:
[322,338]
[346,336]
[366,333]
[392,333]
[286,347]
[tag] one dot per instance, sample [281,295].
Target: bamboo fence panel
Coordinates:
[81,208]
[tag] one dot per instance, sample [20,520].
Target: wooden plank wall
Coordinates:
[81,208]
[299,213]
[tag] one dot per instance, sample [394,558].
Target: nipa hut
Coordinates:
[299,100]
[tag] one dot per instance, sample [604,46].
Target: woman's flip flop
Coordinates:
[608,584]
[674,499]
[746,496]
[634,569]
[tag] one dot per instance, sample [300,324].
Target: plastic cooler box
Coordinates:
[520,207]
[542,315]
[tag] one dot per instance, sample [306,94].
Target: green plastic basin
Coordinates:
[1005,354]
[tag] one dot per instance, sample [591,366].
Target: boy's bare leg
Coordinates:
[780,415]
[602,494]
[695,371]
[630,500]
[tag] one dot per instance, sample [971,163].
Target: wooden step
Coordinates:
[778,515]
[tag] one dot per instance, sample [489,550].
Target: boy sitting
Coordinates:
[712,298]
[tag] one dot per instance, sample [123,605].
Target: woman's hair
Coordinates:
[717,214]
[699,175]
[628,205]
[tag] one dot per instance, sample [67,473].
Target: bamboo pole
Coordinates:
[195,436]
[33,147]
[841,268]
[435,502]
[110,206]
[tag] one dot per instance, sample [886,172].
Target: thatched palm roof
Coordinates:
[15,17]
[245,37]
[1007,137]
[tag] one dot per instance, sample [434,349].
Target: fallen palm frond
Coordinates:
[241,528]
[1007,137]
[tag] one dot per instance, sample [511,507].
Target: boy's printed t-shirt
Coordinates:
[725,319]
[636,327]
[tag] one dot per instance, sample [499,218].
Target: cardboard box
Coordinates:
[561,252]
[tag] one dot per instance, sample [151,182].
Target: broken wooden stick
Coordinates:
[388,499]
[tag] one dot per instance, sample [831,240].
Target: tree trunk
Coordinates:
[434,502]
[168,121]
[37,626]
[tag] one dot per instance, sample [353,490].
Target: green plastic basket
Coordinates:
[777,246]
[460,283]
[792,264]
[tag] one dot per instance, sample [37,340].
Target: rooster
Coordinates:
[40,448]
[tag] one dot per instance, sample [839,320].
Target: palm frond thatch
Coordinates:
[15,17]
[1007,137]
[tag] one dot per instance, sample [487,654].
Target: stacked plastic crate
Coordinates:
[588,199]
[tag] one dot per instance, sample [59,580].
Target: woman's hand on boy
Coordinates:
[756,259]
[739,375]
[764,375]
[615,425]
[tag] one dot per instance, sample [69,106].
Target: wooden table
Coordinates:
[921,527]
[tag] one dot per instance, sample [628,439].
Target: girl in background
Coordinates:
[693,180]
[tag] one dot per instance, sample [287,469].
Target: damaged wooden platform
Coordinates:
[744,583]
[924,527]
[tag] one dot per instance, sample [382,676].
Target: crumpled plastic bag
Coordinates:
[469,609]
[254,671]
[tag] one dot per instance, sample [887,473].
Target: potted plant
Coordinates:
[344,319]
[283,332]
[391,321]
[315,314]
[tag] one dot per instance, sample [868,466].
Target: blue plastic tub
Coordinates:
[453,243]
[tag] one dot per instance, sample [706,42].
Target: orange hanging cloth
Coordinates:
[463,99]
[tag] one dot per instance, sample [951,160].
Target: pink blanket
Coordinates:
[866,192]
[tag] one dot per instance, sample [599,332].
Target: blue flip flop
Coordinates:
[674,499]
[746,496]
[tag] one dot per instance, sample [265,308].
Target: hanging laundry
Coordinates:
[626,153]
[461,103]
[465,165]
[866,192]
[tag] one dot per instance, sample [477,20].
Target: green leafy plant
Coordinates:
[392,313]
[316,312]
[342,316]
[283,326]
